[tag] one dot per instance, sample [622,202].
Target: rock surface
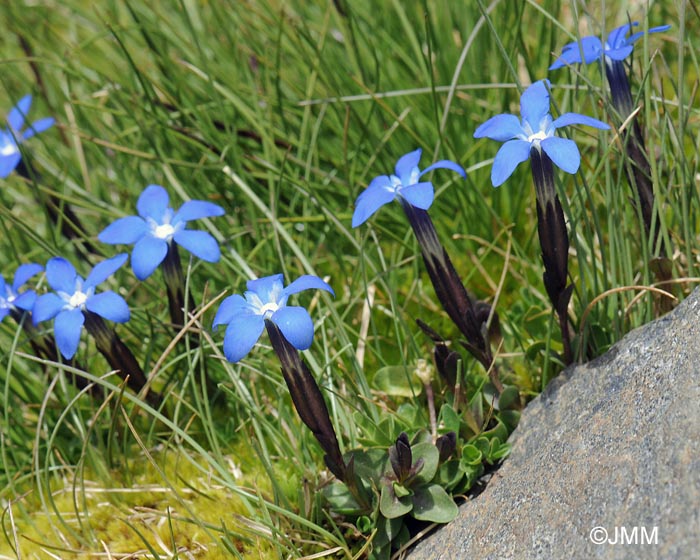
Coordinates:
[613,444]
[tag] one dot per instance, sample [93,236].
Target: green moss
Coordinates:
[173,507]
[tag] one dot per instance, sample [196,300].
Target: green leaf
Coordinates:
[432,503]
[411,416]
[449,418]
[370,464]
[471,455]
[368,429]
[476,407]
[401,491]
[340,500]
[388,432]
[421,436]
[500,451]
[471,474]
[364,524]
[398,381]
[498,431]
[390,505]
[509,399]
[431,458]
[391,527]
[449,475]
[510,418]
[471,421]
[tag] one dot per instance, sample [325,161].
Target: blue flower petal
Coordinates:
[38,126]
[383,181]
[147,255]
[501,127]
[61,275]
[563,152]
[268,288]
[8,164]
[574,118]
[66,330]
[153,202]
[25,272]
[229,308]
[196,209]
[656,29]
[407,164]
[104,270]
[620,53]
[47,307]
[534,103]
[200,243]
[124,230]
[4,312]
[19,112]
[620,47]
[241,335]
[511,154]
[616,38]
[592,49]
[372,199]
[3,286]
[25,300]
[445,164]
[571,54]
[296,326]
[420,195]
[109,305]
[307,282]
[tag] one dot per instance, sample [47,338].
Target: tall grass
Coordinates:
[282,112]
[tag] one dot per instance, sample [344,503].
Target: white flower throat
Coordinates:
[537,136]
[164,231]
[8,146]
[268,309]
[77,300]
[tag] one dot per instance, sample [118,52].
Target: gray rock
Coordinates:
[614,444]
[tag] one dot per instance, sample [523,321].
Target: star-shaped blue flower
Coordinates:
[73,295]
[537,130]
[404,183]
[12,135]
[10,298]
[157,225]
[617,47]
[266,298]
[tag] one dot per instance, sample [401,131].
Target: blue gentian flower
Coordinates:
[73,295]
[12,136]
[10,298]
[266,299]
[404,183]
[617,46]
[537,130]
[157,226]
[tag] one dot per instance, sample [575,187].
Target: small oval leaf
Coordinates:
[398,381]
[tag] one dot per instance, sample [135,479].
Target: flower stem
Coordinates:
[180,307]
[308,400]
[554,241]
[175,284]
[119,356]
[637,169]
[449,289]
